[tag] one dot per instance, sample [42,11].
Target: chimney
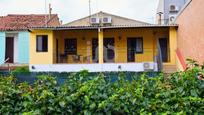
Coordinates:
[160,18]
[50,11]
[61,22]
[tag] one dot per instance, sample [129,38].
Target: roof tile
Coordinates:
[22,22]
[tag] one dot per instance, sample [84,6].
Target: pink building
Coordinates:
[191,32]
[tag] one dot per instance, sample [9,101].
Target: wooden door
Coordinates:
[131,47]
[164,49]
[9,49]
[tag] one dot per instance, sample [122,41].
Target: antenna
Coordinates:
[89,11]
[50,11]
[46,13]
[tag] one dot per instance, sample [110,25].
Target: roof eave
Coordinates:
[102,27]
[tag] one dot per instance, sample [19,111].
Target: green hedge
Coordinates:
[181,93]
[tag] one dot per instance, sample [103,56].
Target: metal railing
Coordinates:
[8,65]
[118,55]
[159,57]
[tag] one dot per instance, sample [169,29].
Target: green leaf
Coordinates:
[62,103]
[86,99]
[92,106]
[193,93]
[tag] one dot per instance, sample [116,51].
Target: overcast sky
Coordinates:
[69,10]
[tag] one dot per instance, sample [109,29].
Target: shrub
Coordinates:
[24,69]
[182,93]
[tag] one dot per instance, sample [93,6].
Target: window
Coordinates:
[42,43]
[70,46]
[139,45]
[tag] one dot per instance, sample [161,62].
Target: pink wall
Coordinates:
[191,31]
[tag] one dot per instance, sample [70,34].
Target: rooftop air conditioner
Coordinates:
[173,8]
[95,20]
[172,18]
[107,20]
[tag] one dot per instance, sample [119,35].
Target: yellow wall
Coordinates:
[173,45]
[100,45]
[41,57]
[149,42]
[84,41]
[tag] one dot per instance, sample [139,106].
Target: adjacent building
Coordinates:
[168,9]
[191,32]
[15,35]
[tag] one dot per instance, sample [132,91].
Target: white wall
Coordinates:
[16,49]
[133,67]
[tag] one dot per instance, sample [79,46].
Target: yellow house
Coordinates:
[103,42]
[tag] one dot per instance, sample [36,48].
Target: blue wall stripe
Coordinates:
[23,45]
[2,47]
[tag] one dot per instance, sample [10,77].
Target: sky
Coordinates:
[69,10]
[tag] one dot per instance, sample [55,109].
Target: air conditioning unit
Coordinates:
[173,8]
[172,18]
[95,20]
[106,20]
[148,66]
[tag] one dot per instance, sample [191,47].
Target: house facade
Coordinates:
[15,35]
[191,32]
[103,42]
[167,10]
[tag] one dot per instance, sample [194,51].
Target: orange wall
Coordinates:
[191,31]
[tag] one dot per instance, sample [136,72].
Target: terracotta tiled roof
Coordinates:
[22,22]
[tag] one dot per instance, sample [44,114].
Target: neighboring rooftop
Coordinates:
[21,21]
[116,20]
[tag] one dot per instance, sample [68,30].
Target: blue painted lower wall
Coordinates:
[23,45]
[2,47]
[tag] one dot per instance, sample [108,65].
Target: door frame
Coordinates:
[137,49]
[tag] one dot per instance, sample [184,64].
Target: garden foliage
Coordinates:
[181,93]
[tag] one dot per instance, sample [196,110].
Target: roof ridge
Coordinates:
[29,14]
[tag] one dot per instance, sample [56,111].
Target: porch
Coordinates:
[110,46]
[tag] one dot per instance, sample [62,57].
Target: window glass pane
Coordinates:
[45,43]
[139,45]
[39,43]
[42,43]
[71,46]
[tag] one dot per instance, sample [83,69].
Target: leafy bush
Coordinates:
[24,69]
[182,93]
